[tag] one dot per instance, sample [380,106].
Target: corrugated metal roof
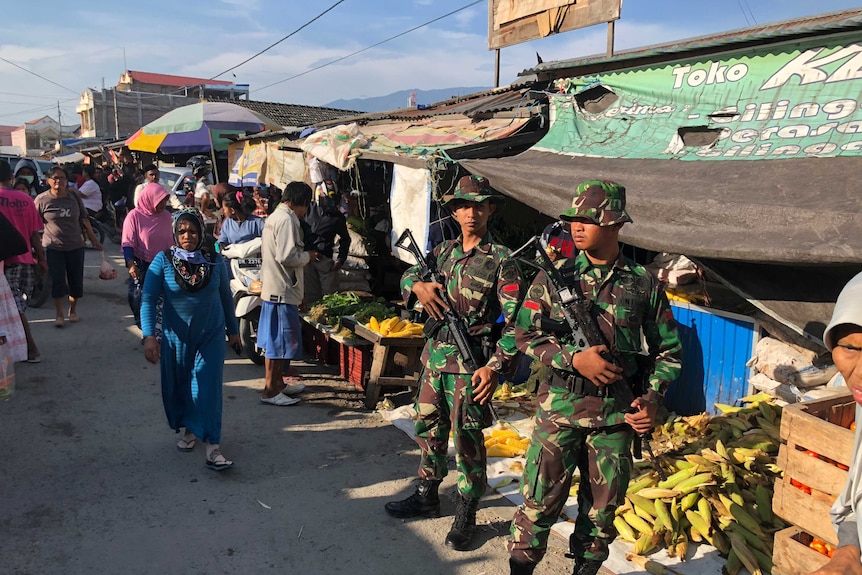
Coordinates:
[290,115]
[503,99]
[844,20]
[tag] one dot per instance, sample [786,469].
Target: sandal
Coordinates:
[217,462]
[73,317]
[59,321]
[186,445]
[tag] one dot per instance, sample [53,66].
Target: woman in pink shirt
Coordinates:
[147,230]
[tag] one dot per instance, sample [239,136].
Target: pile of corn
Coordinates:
[721,472]
[506,443]
[395,327]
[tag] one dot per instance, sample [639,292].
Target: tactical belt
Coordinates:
[577,384]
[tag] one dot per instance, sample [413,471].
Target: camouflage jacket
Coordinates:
[628,303]
[480,287]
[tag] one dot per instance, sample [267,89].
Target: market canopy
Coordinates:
[807,210]
[198,128]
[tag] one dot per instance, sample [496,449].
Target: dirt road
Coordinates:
[90,481]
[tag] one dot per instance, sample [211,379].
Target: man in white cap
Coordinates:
[843,337]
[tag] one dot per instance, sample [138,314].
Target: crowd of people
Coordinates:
[592,400]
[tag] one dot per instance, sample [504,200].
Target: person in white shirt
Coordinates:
[151,176]
[90,192]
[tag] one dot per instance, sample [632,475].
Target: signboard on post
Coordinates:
[515,21]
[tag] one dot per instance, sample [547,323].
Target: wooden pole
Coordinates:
[610,39]
[497,68]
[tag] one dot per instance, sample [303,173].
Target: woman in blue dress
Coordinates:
[197,311]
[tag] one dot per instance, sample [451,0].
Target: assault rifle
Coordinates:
[457,327]
[578,324]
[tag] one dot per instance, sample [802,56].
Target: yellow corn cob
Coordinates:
[638,523]
[505,433]
[501,451]
[656,492]
[625,530]
[373,324]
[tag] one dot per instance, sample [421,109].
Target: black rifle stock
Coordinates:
[580,325]
[457,327]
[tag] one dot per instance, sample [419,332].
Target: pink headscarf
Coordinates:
[146,231]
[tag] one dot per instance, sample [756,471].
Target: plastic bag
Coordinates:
[107,271]
[7,372]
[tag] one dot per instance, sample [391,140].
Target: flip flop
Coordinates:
[186,446]
[217,462]
[280,400]
[292,389]
[73,317]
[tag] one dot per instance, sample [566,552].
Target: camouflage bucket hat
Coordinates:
[600,201]
[474,189]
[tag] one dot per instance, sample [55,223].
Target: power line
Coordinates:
[247,60]
[372,46]
[30,96]
[38,75]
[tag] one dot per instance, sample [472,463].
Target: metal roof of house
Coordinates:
[170,80]
[833,22]
[290,115]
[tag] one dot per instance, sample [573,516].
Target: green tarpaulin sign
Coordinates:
[803,100]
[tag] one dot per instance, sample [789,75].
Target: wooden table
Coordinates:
[388,352]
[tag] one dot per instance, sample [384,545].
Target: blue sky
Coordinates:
[76,47]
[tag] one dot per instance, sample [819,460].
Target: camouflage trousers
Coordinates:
[559,446]
[444,404]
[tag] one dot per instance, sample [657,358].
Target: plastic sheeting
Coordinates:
[410,204]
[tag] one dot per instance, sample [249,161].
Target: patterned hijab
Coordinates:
[193,268]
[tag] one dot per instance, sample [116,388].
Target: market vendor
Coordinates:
[843,337]
[481,288]
[591,402]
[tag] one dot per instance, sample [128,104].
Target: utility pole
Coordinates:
[60,128]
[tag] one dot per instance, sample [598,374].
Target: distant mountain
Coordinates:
[397,100]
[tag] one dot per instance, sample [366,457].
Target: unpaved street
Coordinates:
[91,483]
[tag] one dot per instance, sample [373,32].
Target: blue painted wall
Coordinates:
[715,348]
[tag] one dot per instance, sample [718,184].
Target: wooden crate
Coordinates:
[793,556]
[819,426]
[356,363]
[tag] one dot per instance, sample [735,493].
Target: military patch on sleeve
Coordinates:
[536,292]
[508,288]
[509,273]
[531,305]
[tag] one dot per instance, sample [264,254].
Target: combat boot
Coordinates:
[424,502]
[518,568]
[586,566]
[464,527]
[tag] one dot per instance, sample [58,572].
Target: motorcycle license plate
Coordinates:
[250,262]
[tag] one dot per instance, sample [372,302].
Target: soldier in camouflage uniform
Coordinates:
[588,408]
[450,396]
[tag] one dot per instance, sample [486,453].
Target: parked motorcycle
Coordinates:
[245,264]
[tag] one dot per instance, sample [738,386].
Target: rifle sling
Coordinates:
[482,345]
